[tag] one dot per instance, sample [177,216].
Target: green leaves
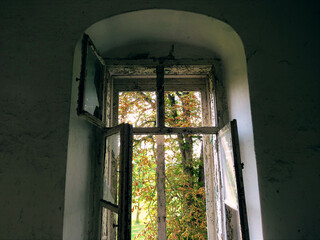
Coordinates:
[185,191]
[183,109]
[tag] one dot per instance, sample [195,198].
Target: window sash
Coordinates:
[123,208]
[92,79]
[153,78]
[161,84]
[229,136]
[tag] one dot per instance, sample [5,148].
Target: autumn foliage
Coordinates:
[185,190]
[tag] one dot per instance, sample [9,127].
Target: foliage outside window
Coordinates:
[185,188]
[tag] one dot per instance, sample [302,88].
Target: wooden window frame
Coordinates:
[88,46]
[198,80]
[123,208]
[162,70]
[178,80]
[154,79]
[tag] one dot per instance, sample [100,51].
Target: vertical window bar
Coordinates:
[160,96]
[161,191]
[115,109]
[125,184]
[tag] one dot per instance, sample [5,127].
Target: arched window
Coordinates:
[186,29]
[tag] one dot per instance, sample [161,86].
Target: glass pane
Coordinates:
[185,187]
[137,108]
[92,102]
[233,231]
[216,205]
[183,109]
[109,225]
[144,192]
[111,169]
[227,165]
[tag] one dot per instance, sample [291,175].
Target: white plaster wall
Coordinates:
[80,161]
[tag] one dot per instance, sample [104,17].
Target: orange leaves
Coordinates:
[185,194]
[137,108]
[183,109]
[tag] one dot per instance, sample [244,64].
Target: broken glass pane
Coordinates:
[94,73]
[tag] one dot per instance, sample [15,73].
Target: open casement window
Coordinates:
[235,223]
[163,91]
[161,80]
[116,176]
[101,83]
[113,204]
[92,99]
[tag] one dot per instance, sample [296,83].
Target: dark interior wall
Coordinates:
[285,96]
[37,44]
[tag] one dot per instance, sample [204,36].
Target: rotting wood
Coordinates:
[205,108]
[168,80]
[186,83]
[156,61]
[175,130]
[144,68]
[138,70]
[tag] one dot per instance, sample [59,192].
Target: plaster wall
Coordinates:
[80,163]
[37,43]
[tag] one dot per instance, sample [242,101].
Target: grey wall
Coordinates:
[38,39]
[285,92]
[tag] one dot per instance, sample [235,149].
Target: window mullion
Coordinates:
[161,191]
[160,96]
[160,158]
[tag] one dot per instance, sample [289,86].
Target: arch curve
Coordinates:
[146,27]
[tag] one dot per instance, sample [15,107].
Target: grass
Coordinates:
[136,228]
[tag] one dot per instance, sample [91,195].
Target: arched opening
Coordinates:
[152,32]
